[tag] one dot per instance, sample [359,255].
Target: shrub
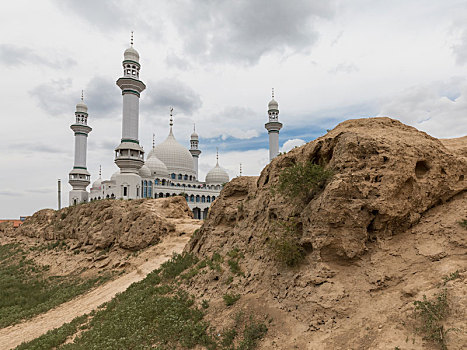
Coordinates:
[285,245]
[463,223]
[303,180]
[430,315]
[177,264]
[230,299]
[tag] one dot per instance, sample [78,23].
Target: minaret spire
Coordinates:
[217,156]
[153,140]
[79,177]
[195,152]
[240,169]
[100,171]
[82,95]
[131,39]
[273,127]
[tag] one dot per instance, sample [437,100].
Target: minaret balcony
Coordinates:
[131,84]
[81,128]
[273,126]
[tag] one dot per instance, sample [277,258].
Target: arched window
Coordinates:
[161,195]
[191,177]
[186,197]
[180,176]
[178,185]
[185,177]
[112,196]
[145,189]
[208,199]
[213,198]
[167,194]
[203,199]
[149,189]
[163,182]
[192,198]
[197,198]
[156,181]
[172,176]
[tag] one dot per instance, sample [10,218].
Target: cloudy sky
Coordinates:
[215,62]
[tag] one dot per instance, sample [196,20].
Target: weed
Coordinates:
[205,304]
[463,223]
[253,332]
[177,264]
[235,267]
[230,299]
[454,275]
[303,181]
[430,315]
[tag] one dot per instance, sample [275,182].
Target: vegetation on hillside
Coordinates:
[156,313]
[26,289]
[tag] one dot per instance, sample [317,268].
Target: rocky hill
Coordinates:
[385,230]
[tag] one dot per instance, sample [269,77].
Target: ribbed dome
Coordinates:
[131,54]
[144,171]
[194,136]
[176,157]
[156,167]
[217,175]
[273,104]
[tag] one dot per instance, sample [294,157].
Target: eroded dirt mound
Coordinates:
[384,231]
[130,225]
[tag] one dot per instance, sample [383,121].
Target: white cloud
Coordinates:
[292,143]
[439,108]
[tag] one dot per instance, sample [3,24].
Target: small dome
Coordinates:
[114,176]
[155,166]
[131,54]
[96,185]
[81,107]
[144,171]
[273,104]
[217,175]
[194,136]
[175,157]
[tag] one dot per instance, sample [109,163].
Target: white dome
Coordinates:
[217,175]
[176,157]
[114,176]
[194,136]
[96,185]
[81,107]
[156,167]
[150,153]
[144,171]
[131,54]
[273,104]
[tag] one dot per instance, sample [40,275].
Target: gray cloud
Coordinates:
[173,60]
[52,98]
[8,193]
[344,68]
[102,97]
[244,30]
[171,92]
[34,147]
[13,55]
[460,49]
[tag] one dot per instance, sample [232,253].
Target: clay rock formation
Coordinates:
[131,225]
[386,174]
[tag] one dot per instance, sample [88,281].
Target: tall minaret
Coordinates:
[195,152]
[79,177]
[129,155]
[273,127]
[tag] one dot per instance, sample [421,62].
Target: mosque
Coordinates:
[170,169]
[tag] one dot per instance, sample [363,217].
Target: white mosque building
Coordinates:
[170,169]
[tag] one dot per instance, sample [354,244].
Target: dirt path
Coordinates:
[12,336]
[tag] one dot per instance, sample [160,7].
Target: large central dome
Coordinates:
[176,158]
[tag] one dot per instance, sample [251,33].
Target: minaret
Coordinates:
[129,155]
[195,152]
[273,127]
[79,177]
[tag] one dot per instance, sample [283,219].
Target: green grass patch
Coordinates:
[153,314]
[463,223]
[285,245]
[26,290]
[230,299]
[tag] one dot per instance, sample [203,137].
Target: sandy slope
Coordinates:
[12,336]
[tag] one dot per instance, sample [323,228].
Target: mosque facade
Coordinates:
[170,169]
